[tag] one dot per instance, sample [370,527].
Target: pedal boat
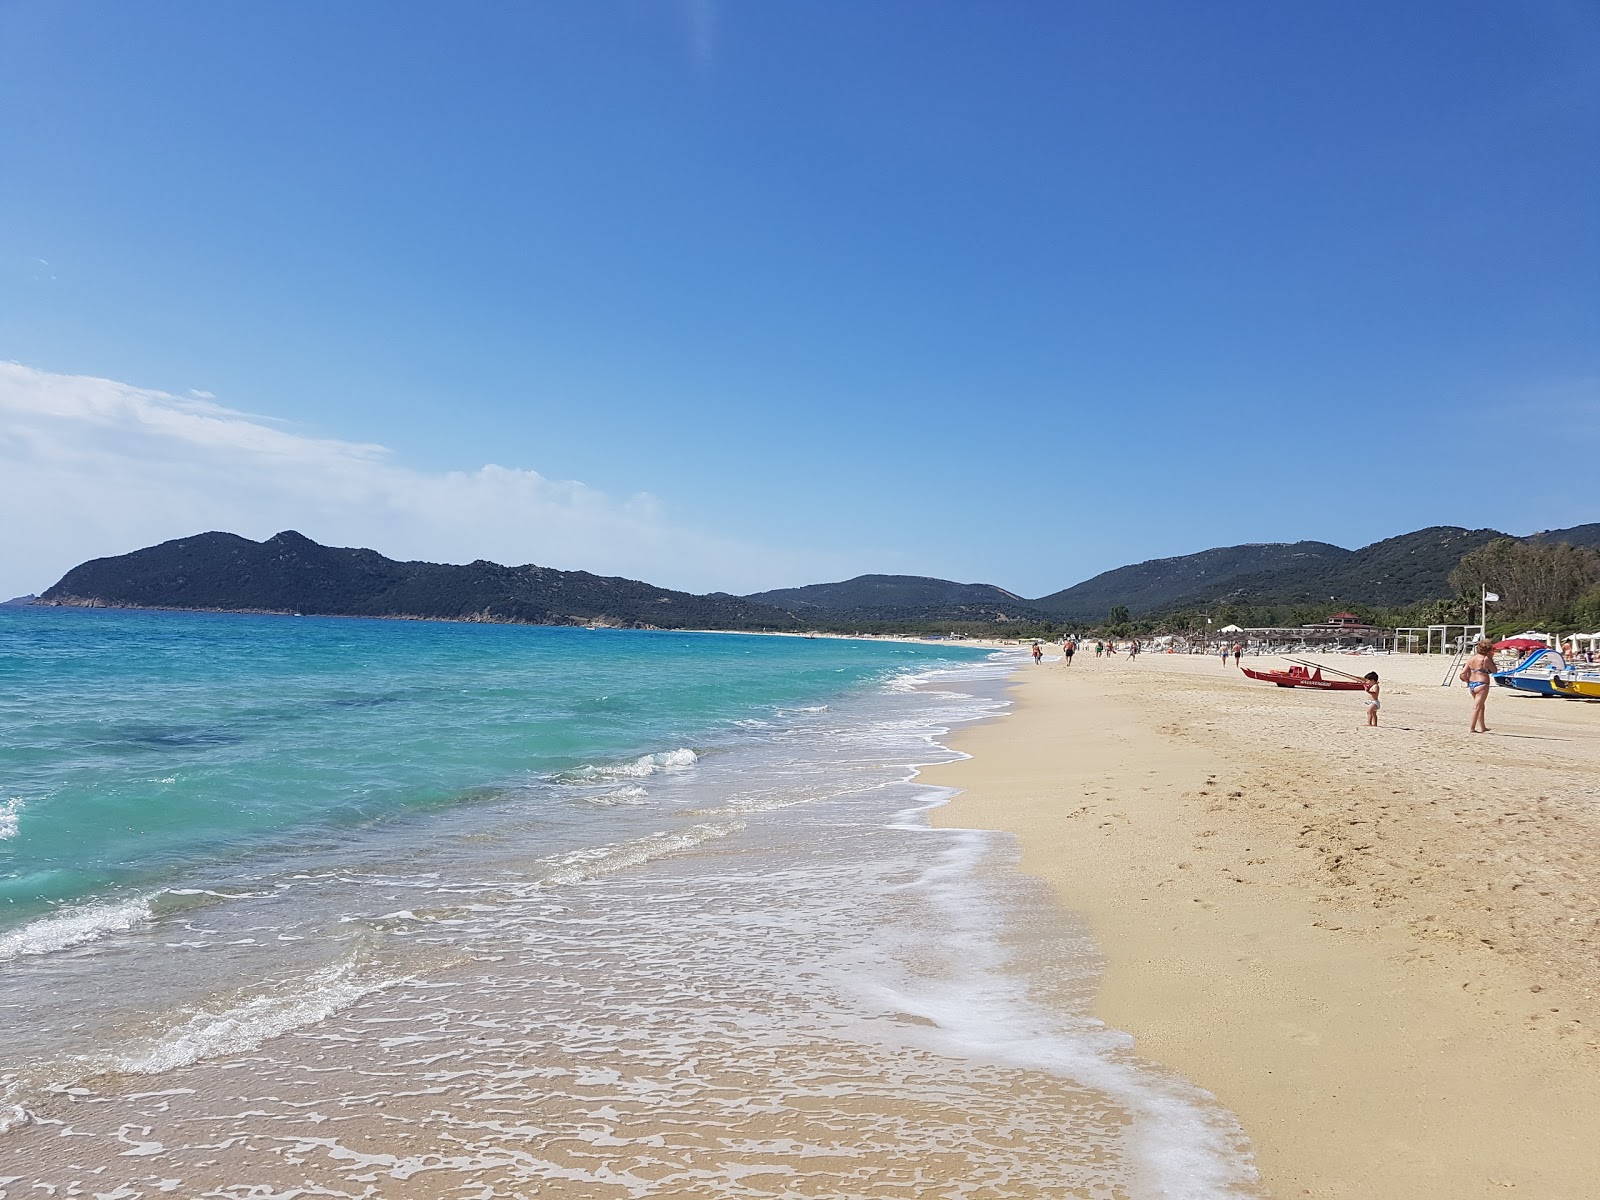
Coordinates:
[1535,674]
[1577,689]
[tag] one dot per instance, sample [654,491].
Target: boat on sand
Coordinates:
[1582,689]
[1300,677]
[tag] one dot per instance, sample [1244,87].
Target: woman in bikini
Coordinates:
[1476,676]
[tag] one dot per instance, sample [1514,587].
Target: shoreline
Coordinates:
[1376,947]
[575,623]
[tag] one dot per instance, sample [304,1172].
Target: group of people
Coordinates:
[1069,647]
[1475,674]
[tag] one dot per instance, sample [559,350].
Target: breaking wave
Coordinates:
[581,865]
[639,768]
[243,1025]
[72,927]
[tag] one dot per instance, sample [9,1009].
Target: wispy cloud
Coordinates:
[700,20]
[92,467]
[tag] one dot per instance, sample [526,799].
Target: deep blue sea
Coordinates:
[311,906]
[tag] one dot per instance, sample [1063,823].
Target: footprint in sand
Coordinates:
[1412,1156]
[1299,1034]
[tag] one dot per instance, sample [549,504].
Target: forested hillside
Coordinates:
[292,573]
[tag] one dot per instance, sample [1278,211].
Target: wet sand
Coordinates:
[1379,947]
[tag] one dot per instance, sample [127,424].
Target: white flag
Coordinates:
[1491,597]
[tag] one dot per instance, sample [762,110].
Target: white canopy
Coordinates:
[1230,629]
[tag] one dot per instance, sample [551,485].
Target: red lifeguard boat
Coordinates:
[1302,678]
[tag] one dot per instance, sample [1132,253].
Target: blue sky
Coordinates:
[1001,292]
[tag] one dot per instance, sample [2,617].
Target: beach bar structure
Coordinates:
[1407,636]
[1344,631]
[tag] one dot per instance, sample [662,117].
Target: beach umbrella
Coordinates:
[1522,643]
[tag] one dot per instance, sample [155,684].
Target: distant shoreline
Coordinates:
[479,619]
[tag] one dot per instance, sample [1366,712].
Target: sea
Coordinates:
[296,907]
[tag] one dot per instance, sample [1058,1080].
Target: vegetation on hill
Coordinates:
[292,573]
[1578,535]
[1166,584]
[1393,573]
[1551,585]
[903,593]
[1551,580]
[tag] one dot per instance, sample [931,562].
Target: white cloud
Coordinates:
[92,467]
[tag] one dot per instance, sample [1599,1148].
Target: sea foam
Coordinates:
[1183,1145]
[72,927]
[639,768]
[10,811]
[581,865]
[242,1025]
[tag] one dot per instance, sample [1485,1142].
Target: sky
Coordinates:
[731,296]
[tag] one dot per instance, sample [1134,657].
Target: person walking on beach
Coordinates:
[1133,650]
[1099,648]
[1371,681]
[1476,676]
[1068,649]
[1238,652]
[1038,654]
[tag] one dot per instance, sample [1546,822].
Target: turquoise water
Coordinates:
[302,906]
[138,746]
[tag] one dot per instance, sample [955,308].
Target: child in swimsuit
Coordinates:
[1373,704]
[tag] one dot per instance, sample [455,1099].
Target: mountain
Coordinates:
[1578,535]
[888,591]
[1162,584]
[906,600]
[18,601]
[1392,573]
[292,573]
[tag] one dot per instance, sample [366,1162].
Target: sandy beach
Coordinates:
[1377,946]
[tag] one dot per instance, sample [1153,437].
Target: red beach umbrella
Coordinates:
[1521,644]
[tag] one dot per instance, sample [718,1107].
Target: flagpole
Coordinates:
[1483,609]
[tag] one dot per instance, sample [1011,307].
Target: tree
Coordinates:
[1531,579]
[1118,615]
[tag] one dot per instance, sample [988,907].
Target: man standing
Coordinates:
[1068,649]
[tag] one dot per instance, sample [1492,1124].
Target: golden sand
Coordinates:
[1380,947]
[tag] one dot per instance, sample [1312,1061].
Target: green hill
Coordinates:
[1161,584]
[292,573]
[1392,573]
[1578,535]
[911,592]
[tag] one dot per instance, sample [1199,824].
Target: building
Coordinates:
[1340,631]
